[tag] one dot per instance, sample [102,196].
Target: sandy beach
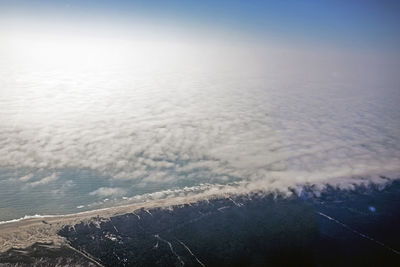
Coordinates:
[174,231]
[25,232]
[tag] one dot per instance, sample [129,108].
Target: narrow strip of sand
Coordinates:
[25,232]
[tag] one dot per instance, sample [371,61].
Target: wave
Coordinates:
[27,217]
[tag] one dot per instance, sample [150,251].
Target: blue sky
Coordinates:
[367,23]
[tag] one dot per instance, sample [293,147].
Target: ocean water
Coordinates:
[80,136]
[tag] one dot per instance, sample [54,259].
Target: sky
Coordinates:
[108,103]
[371,24]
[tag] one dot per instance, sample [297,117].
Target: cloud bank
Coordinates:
[176,116]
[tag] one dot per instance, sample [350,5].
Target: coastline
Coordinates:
[24,232]
[359,225]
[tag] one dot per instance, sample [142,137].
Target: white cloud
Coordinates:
[45,180]
[26,177]
[108,191]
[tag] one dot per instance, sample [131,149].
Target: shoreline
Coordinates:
[304,226]
[220,190]
[210,191]
[23,232]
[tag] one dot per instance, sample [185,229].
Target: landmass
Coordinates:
[335,228]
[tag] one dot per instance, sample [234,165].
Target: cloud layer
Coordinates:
[125,127]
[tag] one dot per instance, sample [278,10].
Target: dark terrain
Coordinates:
[41,254]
